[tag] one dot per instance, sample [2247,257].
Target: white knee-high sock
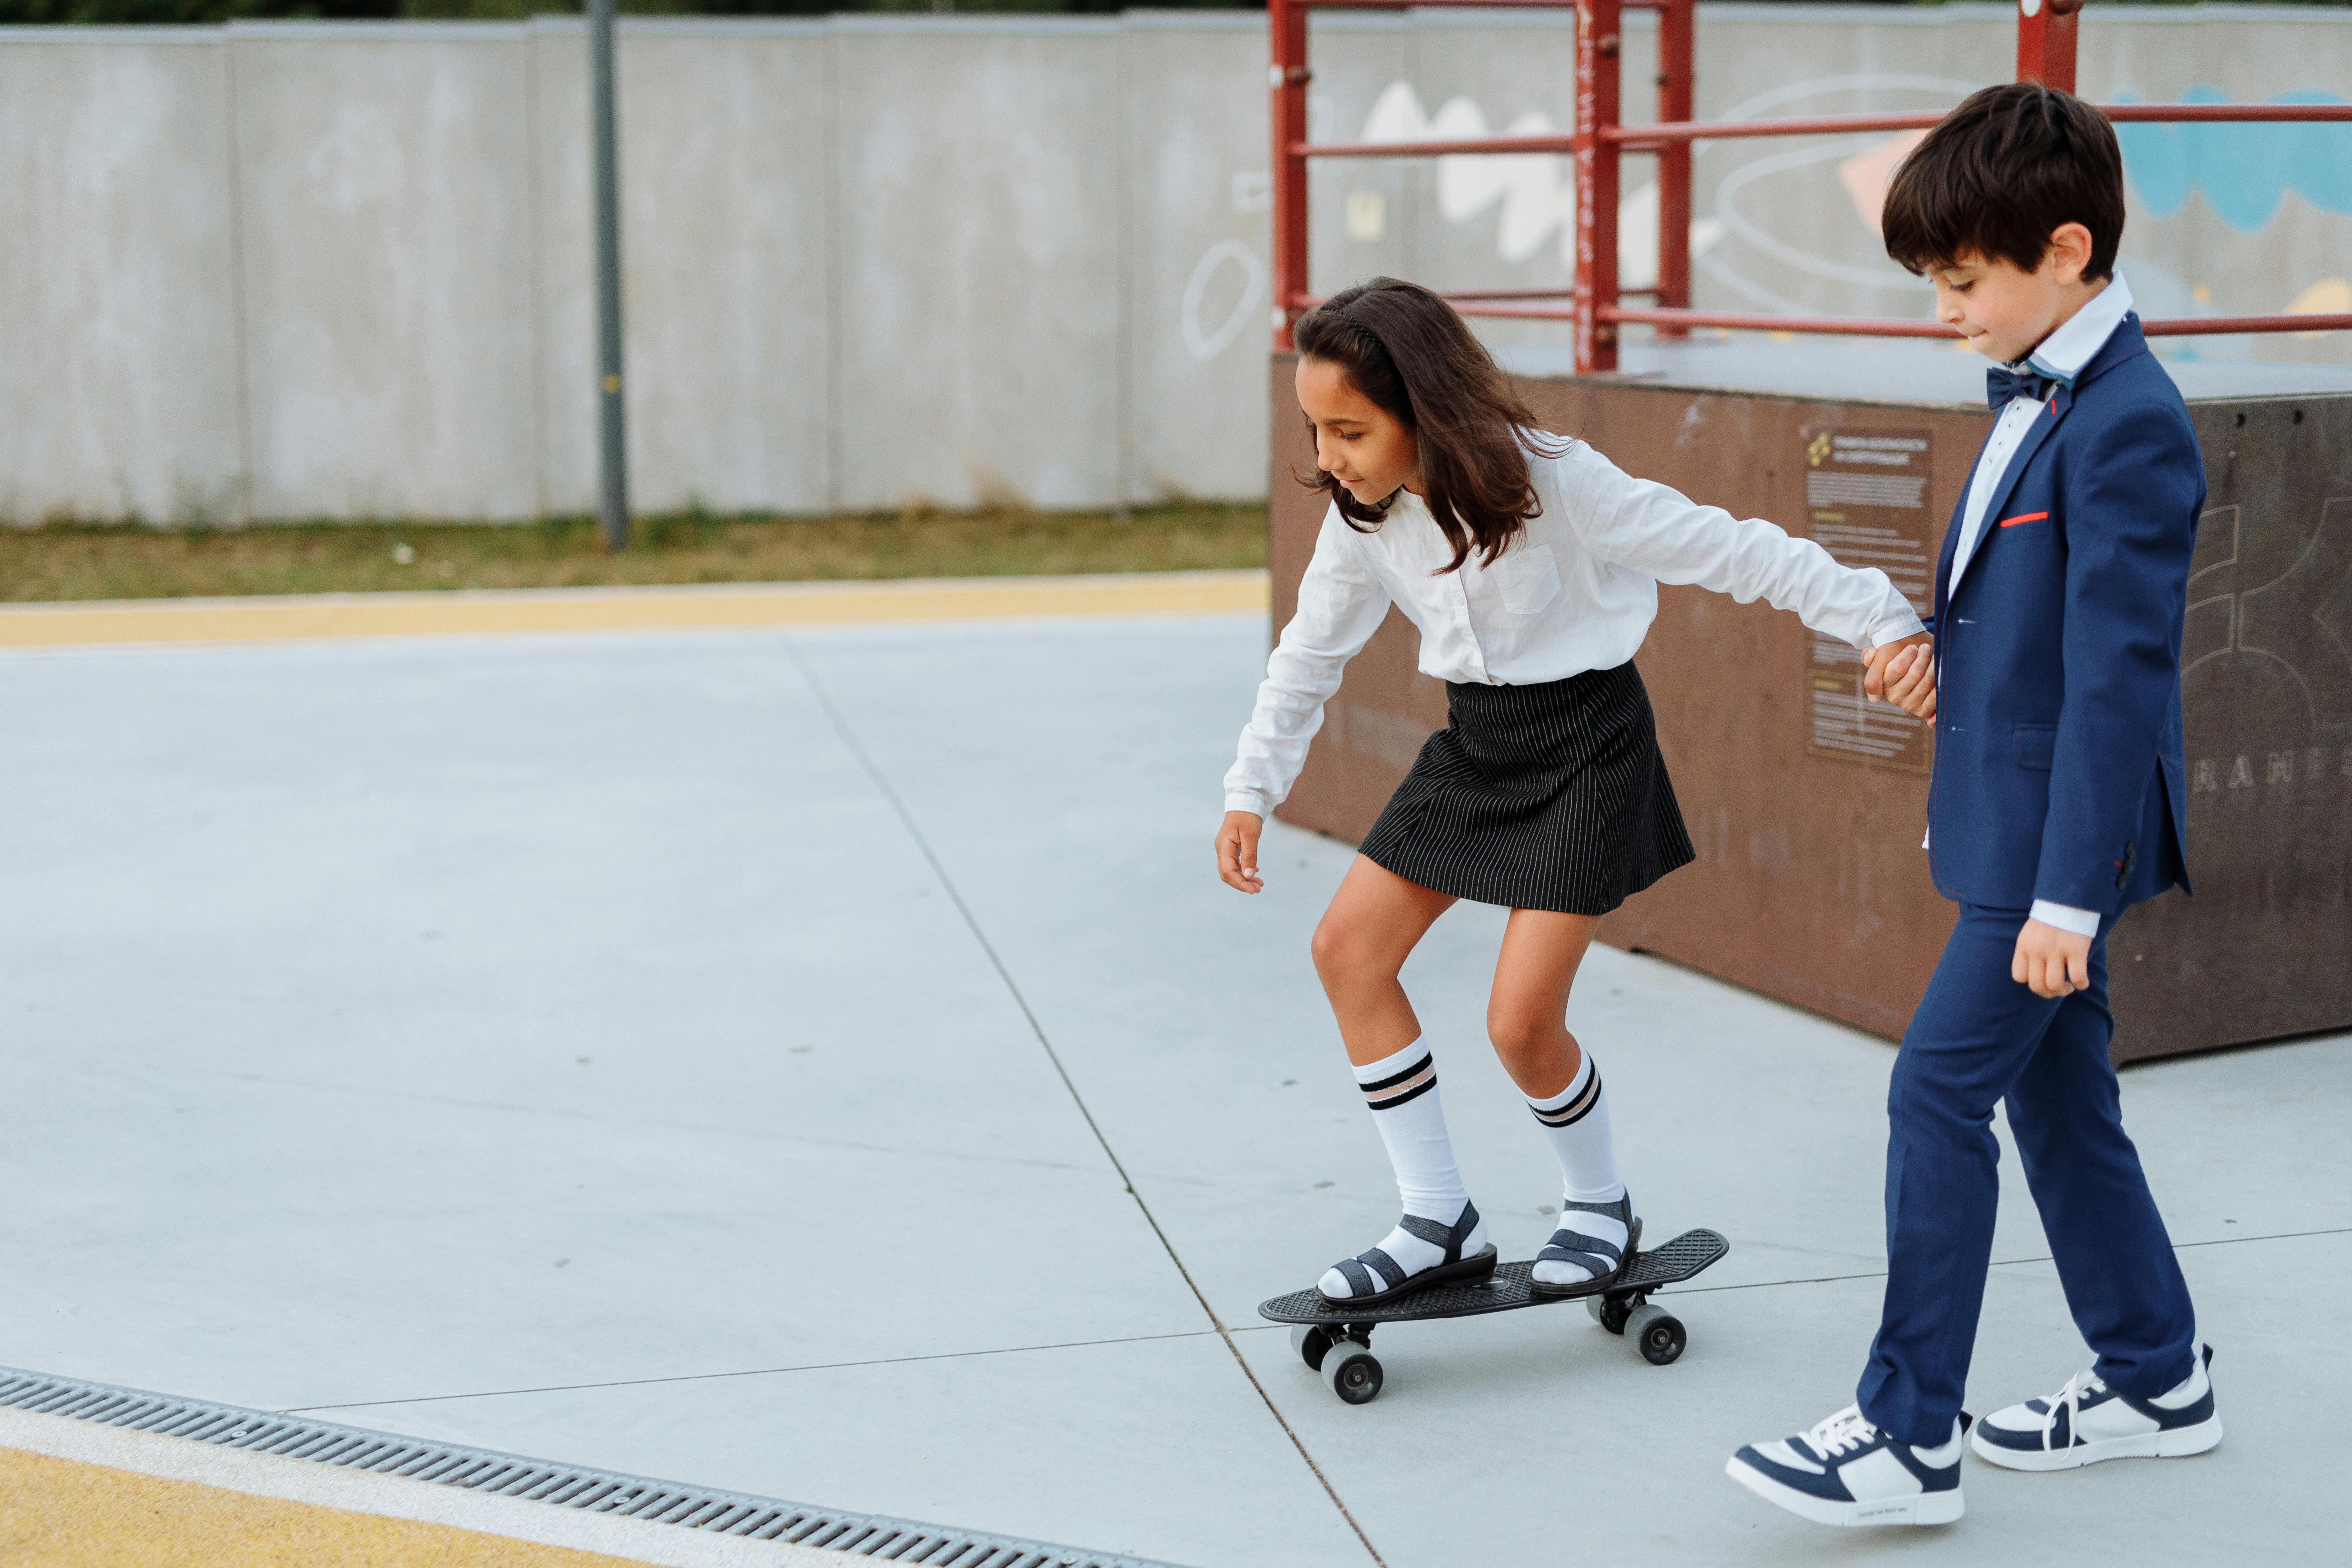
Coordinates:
[1402,1091]
[1576,1122]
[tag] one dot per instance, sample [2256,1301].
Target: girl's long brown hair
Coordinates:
[1409,351]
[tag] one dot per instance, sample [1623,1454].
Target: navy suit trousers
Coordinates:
[1979,1037]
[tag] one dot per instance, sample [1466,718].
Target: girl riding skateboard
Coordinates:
[1530,565]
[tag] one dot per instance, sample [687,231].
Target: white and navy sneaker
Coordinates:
[1846,1471]
[2086,1421]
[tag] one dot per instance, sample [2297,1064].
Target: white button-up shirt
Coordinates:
[2060,357]
[1576,590]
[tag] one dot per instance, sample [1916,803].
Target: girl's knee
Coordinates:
[1523,1036]
[1513,1036]
[1344,951]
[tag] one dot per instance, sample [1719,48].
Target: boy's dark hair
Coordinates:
[1999,174]
[1408,351]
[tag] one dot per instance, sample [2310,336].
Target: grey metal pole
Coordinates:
[612,430]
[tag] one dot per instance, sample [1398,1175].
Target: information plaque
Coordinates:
[1867,501]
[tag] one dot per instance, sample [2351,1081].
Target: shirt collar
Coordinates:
[2064,353]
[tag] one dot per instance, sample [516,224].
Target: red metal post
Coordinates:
[1675,88]
[1597,82]
[1285,77]
[2045,42]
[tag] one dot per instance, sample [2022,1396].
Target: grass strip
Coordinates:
[65,560]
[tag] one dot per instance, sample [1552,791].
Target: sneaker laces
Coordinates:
[1849,1428]
[2070,1400]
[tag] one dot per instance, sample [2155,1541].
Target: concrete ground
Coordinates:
[726,1056]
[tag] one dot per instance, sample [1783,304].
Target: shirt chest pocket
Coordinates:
[1527,576]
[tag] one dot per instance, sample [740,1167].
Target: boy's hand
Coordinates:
[2049,961]
[1903,673]
[1237,851]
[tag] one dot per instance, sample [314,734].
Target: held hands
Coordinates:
[1237,851]
[2049,961]
[1903,673]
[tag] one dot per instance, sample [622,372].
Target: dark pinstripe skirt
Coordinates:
[1538,797]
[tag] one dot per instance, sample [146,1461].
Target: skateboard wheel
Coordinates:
[1310,1343]
[1352,1372]
[1657,1333]
[1609,1312]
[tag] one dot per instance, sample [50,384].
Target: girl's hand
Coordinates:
[1903,673]
[1237,851]
[1912,687]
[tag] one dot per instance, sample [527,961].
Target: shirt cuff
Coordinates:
[1248,800]
[1909,625]
[2066,918]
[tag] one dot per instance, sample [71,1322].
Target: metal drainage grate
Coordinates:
[565,1485]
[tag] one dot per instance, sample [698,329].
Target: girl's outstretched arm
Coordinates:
[1656,529]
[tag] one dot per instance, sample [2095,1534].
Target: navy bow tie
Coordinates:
[2002,385]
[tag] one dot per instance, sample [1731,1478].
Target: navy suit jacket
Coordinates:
[2058,763]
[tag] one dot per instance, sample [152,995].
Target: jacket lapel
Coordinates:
[2127,341]
[2035,434]
[1951,548]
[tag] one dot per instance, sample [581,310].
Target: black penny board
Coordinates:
[1505,1290]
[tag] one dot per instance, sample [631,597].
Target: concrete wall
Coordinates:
[385,237]
[341,270]
[120,343]
[978,243]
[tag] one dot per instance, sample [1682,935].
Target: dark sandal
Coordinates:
[1363,1269]
[1607,1261]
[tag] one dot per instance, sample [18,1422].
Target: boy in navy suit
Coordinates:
[2056,804]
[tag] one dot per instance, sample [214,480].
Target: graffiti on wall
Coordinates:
[1532,194]
[2243,175]
[1785,238]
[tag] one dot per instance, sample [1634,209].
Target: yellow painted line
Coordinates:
[75,1494]
[61,1514]
[314,617]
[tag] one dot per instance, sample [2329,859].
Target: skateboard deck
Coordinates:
[1336,1341]
[1508,1287]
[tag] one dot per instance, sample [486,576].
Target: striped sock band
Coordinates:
[1394,1086]
[1572,1104]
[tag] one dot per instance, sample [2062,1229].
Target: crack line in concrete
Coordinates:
[564,1114]
[754,1372]
[947,885]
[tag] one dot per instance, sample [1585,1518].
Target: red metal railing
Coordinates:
[1595,304]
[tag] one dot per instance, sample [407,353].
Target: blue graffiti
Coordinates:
[2245,170]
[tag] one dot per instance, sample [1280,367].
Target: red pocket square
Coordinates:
[2022,517]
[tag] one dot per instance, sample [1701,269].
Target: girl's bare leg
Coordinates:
[1527,1013]
[1375,921]
[1527,1018]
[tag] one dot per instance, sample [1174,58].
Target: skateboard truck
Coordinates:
[1657,1333]
[1343,1355]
